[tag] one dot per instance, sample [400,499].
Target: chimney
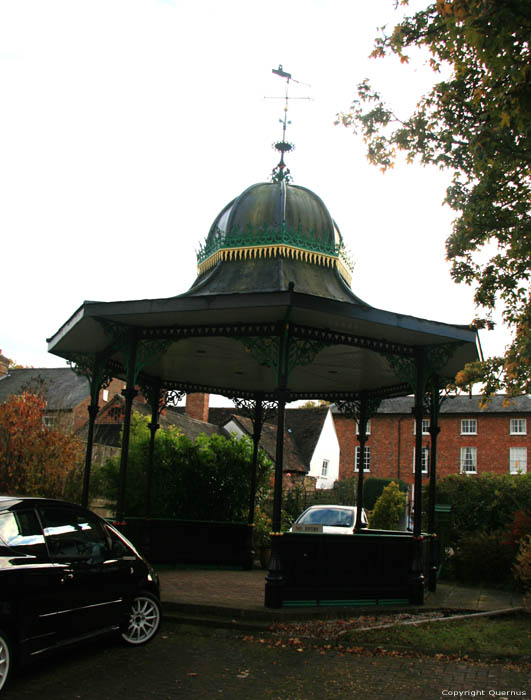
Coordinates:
[197,406]
[4,365]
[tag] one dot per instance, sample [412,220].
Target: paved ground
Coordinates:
[240,594]
[188,663]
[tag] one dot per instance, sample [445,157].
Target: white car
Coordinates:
[335,520]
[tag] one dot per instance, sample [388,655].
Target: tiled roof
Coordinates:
[293,460]
[459,405]
[304,425]
[108,433]
[62,388]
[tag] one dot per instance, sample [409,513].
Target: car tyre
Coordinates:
[143,620]
[6,658]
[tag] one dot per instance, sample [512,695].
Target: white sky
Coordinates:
[126,125]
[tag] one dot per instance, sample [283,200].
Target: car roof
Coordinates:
[10,501]
[331,505]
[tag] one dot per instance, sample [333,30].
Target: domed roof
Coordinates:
[275,219]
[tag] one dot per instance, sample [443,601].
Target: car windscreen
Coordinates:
[333,517]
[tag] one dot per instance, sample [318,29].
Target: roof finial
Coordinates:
[280,171]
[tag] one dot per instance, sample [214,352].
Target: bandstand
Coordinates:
[270,319]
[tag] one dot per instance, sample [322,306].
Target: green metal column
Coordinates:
[417,569]
[362,439]
[274,578]
[434,432]
[129,392]
[93,412]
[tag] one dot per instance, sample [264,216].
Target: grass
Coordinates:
[497,636]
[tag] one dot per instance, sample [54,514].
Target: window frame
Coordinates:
[368,427]
[522,421]
[69,541]
[462,459]
[29,543]
[468,422]
[324,467]
[512,451]
[49,421]
[425,422]
[425,460]
[366,459]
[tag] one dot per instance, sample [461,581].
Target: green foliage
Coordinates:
[262,528]
[522,568]
[388,508]
[488,519]
[476,123]
[34,459]
[486,502]
[373,489]
[483,557]
[208,479]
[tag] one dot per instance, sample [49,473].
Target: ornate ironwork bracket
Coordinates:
[266,351]
[360,409]
[146,350]
[435,358]
[95,370]
[157,397]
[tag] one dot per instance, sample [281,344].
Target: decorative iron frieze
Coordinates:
[328,337]
[247,407]
[267,242]
[360,409]
[348,396]
[229,330]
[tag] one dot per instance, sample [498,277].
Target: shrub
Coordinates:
[388,508]
[373,489]
[483,503]
[519,528]
[483,557]
[522,569]
[208,479]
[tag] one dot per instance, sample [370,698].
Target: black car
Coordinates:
[66,575]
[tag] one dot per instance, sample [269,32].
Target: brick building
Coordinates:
[472,439]
[66,393]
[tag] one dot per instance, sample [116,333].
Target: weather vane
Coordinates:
[280,171]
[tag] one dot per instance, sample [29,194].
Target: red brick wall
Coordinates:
[80,413]
[392,443]
[197,406]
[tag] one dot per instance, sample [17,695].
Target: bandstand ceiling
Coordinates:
[203,341]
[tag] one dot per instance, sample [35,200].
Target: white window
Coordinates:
[324,468]
[425,426]
[50,421]
[366,459]
[518,426]
[105,395]
[469,460]
[425,460]
[518,460]
[368,432]
[469,426]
